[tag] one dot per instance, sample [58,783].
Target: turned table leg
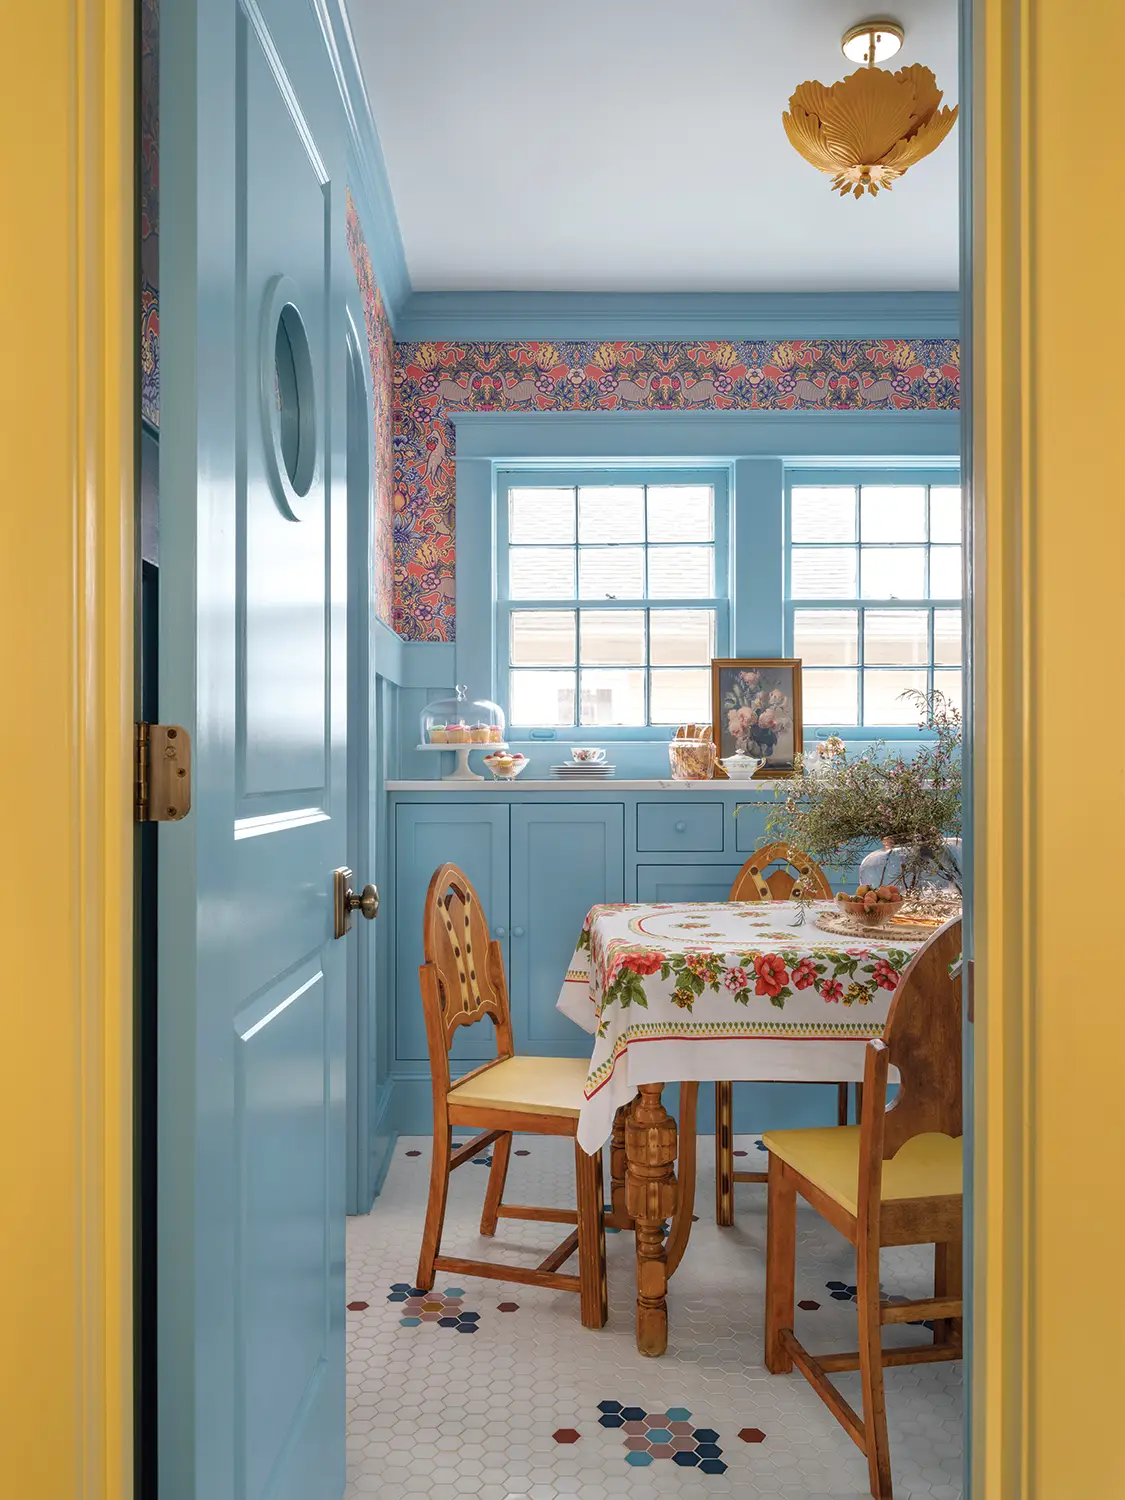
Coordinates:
[650,1193]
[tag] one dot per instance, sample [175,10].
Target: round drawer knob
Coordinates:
[517,932]
[681,827]
[498,932]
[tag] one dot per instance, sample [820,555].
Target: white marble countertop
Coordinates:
[598,784]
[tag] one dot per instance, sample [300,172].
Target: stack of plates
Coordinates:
[583,770]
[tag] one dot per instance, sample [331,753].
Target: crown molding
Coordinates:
[373,187]
[678,315]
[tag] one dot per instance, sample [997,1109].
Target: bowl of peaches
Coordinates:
[871,905]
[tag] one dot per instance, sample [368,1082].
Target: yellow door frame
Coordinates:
[69,413]
[1048,637]
[1049,736]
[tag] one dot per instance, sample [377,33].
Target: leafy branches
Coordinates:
[836,809]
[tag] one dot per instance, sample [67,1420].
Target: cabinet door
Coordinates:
[476,838]
[565,859]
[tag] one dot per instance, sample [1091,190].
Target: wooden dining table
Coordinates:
[690,992]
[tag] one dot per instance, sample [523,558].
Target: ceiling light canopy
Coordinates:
[872,41]
[869,128]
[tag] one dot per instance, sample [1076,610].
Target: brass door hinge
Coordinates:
[163,773]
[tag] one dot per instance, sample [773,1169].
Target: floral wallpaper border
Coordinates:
[435,379]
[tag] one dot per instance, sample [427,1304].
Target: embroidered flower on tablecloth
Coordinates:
[683,998]
[831,991]
[642,963]
[736,979]
[860,992]
[884,975]
[772,974]
[804,974]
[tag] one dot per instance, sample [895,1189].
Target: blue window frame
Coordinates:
[873,585]
[612,596]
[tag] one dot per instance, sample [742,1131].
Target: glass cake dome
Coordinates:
[459,721]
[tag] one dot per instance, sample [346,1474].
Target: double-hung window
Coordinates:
[611,596]
[873,595]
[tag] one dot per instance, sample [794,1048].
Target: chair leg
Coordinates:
[497,1176]
[685,1198]
[841,1104]
[617,1165]
[871,1369]
[435,1208]
[724,1154]
[592,1287]
[947,1283]
[781,1263]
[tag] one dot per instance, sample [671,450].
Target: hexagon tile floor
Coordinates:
[493,1390]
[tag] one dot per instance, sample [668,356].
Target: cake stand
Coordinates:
[462,752]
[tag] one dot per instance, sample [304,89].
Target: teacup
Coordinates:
[588,753]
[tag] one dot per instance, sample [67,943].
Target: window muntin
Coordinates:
[873,597]
[611,603]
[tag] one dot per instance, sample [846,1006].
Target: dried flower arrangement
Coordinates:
[837,809]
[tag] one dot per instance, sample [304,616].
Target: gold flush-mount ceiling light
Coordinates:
[866,130]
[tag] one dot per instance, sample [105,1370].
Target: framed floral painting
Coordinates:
[756,710]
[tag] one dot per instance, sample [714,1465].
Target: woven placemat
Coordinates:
[842,924]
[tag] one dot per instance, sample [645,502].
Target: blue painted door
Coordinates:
[565,859]
[476,838]
[253,659]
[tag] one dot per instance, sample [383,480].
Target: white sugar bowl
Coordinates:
[742,767]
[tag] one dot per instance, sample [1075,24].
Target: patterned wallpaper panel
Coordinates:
[381,351]
[438,378]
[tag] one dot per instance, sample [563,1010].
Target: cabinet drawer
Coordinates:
[750,825]
[668,827]
[685,882]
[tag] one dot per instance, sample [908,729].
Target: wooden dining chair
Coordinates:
[895,1179]
[463,982]
[792,872]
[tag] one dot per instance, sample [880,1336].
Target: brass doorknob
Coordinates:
[367,902]
[345,901]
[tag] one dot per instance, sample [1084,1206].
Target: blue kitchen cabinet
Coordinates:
[426,836]
[565,858]
[685,882]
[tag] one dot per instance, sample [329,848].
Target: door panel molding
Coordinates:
[66,661]
[1049,536]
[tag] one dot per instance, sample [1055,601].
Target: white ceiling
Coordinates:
[636,145]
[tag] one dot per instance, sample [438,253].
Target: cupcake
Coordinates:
[478,734]
[495,735]
[437,734]
[457,734]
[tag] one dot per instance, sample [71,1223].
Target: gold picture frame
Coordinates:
[776,723]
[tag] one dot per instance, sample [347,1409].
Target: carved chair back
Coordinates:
[923,1041]
[794,869]
[462,979]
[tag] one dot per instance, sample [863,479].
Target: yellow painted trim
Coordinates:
[1049,514]
[67,398]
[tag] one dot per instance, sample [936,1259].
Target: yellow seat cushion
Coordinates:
[538,1085]
[927,1166]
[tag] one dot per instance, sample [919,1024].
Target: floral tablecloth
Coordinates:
[717,990]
